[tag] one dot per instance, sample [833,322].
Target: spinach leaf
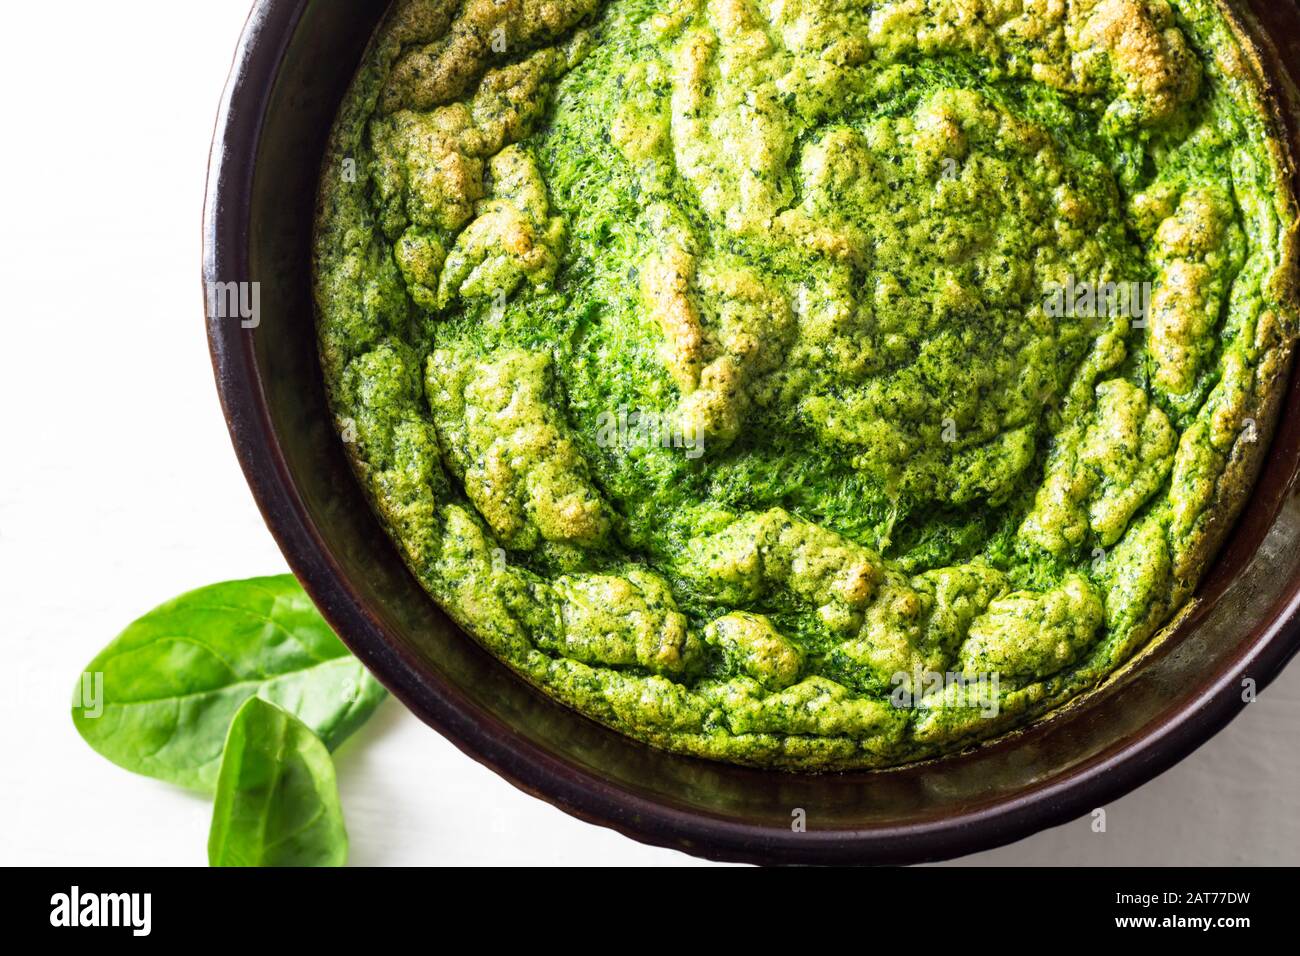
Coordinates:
[163,693]
[277,799]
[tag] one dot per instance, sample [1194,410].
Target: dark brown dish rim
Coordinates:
[291,67]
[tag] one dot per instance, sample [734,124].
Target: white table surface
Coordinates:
[119,489]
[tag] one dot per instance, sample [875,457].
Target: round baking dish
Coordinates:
[293,64]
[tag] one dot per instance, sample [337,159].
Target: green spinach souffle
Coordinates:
[808,384]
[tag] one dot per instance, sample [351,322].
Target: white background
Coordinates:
[119,489]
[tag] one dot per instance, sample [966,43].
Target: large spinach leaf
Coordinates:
[277,799]
[173,680]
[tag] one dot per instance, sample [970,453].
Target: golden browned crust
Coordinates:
[1276,346]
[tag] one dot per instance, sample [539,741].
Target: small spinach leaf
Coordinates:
[277,798]
[173,680]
